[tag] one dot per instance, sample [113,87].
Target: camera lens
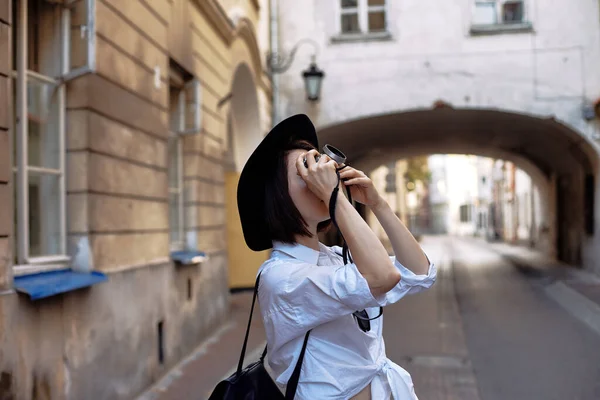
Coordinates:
[335,154]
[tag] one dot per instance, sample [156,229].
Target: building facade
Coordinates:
[123,128]
[438,189]
[509,80]
[491,199]
[514,212]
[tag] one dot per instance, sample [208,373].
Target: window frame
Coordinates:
[349,11]
[19,132]
[499,26]
[374,9]
[177,134]
[363,9]
[466,213]
[502,3]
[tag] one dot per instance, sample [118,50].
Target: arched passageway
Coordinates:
[244,116]
[561,162]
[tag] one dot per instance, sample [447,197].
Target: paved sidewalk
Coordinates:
[195,377]
[574,289]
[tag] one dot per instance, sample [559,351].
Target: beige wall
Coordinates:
[125,151]
[101,342]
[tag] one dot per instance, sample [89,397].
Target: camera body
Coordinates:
[333,153]
[317,157]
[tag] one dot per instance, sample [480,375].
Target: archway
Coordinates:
[561,162]
[243,133]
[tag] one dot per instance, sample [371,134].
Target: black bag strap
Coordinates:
[243,354]
[293,382]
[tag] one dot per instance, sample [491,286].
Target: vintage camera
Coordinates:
[333,153]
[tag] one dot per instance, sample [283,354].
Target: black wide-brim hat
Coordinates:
[258,168]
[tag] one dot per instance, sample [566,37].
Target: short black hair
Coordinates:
[283,218]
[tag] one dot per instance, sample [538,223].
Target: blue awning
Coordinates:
[188,257]
[46,284]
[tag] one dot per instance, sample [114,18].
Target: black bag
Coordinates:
[254,382]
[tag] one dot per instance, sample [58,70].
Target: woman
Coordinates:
[305,284]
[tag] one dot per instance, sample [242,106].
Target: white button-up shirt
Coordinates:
[302,289]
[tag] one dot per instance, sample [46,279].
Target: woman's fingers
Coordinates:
[324,159]
[350,172]
[310,158]
[302,170]
[357,181]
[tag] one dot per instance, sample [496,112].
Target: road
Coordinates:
[487,331]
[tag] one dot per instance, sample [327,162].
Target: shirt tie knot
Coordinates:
[383,367]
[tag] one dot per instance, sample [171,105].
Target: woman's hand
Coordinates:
[320,176]
[361,187]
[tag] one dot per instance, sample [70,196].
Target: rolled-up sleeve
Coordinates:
[410,282]
[302,296]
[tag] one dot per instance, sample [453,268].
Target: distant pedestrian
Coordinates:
[286,194]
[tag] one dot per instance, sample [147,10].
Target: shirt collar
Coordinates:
[298,251]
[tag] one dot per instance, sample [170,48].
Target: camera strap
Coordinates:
[332,204]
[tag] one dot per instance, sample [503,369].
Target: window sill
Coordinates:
[500,29]
[188,257]
[47,284]
[361,37]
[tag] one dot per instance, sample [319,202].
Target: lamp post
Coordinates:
[278,63]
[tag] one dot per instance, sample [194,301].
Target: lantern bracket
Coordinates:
[279,62]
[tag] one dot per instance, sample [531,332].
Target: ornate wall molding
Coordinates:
[218,18]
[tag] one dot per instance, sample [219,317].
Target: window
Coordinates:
[349,16]
[480,220]
[362,16]
[495,12]
[43,59]
[512,12]
[465,213]
[184,118]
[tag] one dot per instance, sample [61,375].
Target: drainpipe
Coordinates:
[274,27]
